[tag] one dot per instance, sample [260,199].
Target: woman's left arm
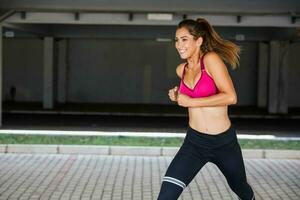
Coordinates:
[219,72]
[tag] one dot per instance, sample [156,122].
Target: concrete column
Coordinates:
[278,77]
[274,76]
[48,73]
[62,71]
[284,78]
[1,76]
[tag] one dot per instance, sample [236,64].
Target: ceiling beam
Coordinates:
[5,14]
[76,18]
[187,6]
[34,29]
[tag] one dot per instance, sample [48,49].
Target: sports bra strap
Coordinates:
[202,62]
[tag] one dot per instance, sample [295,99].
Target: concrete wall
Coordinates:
[245,76]
[294,75]
[128,71]
[122,71]
[22,60]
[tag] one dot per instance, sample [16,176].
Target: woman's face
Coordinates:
[185,43]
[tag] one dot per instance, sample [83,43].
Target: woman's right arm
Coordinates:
[174,91]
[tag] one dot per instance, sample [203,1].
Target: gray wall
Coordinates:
[245,76]
[22,60]
[127,71]
[294,75]
[123,71]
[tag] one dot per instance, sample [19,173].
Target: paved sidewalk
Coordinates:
[52,176]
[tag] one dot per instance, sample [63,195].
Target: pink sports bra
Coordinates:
[203,88]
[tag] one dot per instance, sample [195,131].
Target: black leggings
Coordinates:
[199,148]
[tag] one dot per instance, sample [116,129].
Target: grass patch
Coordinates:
[89,140]
[134,141]
[269,144]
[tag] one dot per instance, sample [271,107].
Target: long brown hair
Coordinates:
[227,50]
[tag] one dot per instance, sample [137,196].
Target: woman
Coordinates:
[206,89]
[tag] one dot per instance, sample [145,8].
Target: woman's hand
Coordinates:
[183,100]
[173,93]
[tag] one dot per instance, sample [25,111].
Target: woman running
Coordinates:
[206,89]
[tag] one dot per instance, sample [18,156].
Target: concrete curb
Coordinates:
[134,151]
[31,149]
[82,149]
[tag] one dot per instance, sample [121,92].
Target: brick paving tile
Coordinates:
[88,177]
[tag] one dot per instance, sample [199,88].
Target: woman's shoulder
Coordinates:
[214,63]
[179,69]
[212,60]
[211,56]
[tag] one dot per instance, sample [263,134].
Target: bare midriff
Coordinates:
[209,120]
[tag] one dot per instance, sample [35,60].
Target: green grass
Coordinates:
[269,144]
[89,140]
[134,141]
